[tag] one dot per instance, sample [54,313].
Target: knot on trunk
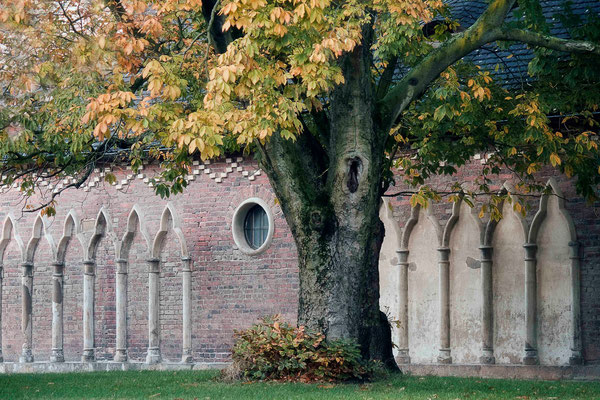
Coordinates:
[354,171]
[316,220]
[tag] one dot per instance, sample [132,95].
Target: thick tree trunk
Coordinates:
[330,196]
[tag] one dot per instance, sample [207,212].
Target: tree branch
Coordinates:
[488,28]
[547,41]
[419,77]
[386,78]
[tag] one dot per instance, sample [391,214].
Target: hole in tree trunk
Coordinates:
[354,169]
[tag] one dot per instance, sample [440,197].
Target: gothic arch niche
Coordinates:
[169,247]
[11,258]
[508,281]
[423,285]
[388,268]
[135,250]
[553,230]
[40,252]
[102,251]
[465,284]
[71,254]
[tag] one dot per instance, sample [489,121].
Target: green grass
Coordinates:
[202,385]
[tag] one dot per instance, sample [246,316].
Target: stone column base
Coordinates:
[88,355]
[121,355]
[57,356]
[487,357]
[186,358]
[153,356]
[26,356]
[531,357]
[444,356]
[403,357]
[575,360]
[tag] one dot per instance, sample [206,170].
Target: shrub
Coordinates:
[276,350]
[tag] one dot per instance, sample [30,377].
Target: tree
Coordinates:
[330,95]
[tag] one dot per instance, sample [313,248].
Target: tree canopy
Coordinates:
[84,80]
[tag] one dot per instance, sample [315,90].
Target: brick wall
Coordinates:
[230,290]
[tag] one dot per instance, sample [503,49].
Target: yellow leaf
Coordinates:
[554,159]
[102,42]
[226,75]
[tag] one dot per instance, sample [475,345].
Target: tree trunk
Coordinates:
[330,196]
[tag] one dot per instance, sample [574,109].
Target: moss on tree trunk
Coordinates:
[330,195]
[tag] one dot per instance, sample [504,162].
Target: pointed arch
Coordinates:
[102,228]
[136,222]
[421,242]
[169,220]
[553,239]
[38,232]
[71,229]
[10,232]
[455,217]
[491,225]
[540,216]
[412,222]
[460,284]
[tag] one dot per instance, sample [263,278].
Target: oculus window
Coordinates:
[252,226]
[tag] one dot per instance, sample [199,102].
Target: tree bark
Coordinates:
[331,199]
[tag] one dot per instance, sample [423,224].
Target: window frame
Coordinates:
[239,223]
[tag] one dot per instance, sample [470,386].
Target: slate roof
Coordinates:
[512,70]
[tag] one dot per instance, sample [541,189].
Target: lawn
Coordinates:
[202,385]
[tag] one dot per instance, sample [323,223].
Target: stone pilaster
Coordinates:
[153,355]
[187,311]
[26,309]
[57,314]
[121,293]
[403,354]
[89,276]
[531,354]
[576,349]
[487,304]
[444,356]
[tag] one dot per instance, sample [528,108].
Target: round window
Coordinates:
[256,226]
[252,226]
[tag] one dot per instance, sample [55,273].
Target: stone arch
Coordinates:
[136,225]
[37,293]
[421,238]
[169,221]
[506,291]
[68,285]
[9,232]
[388,268]
[136,222]
[554,236]
[99,291]
[10,310]
[38,232]
[102,229]
[71,229]
[462,235]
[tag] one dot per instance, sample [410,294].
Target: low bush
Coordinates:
[276,350]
